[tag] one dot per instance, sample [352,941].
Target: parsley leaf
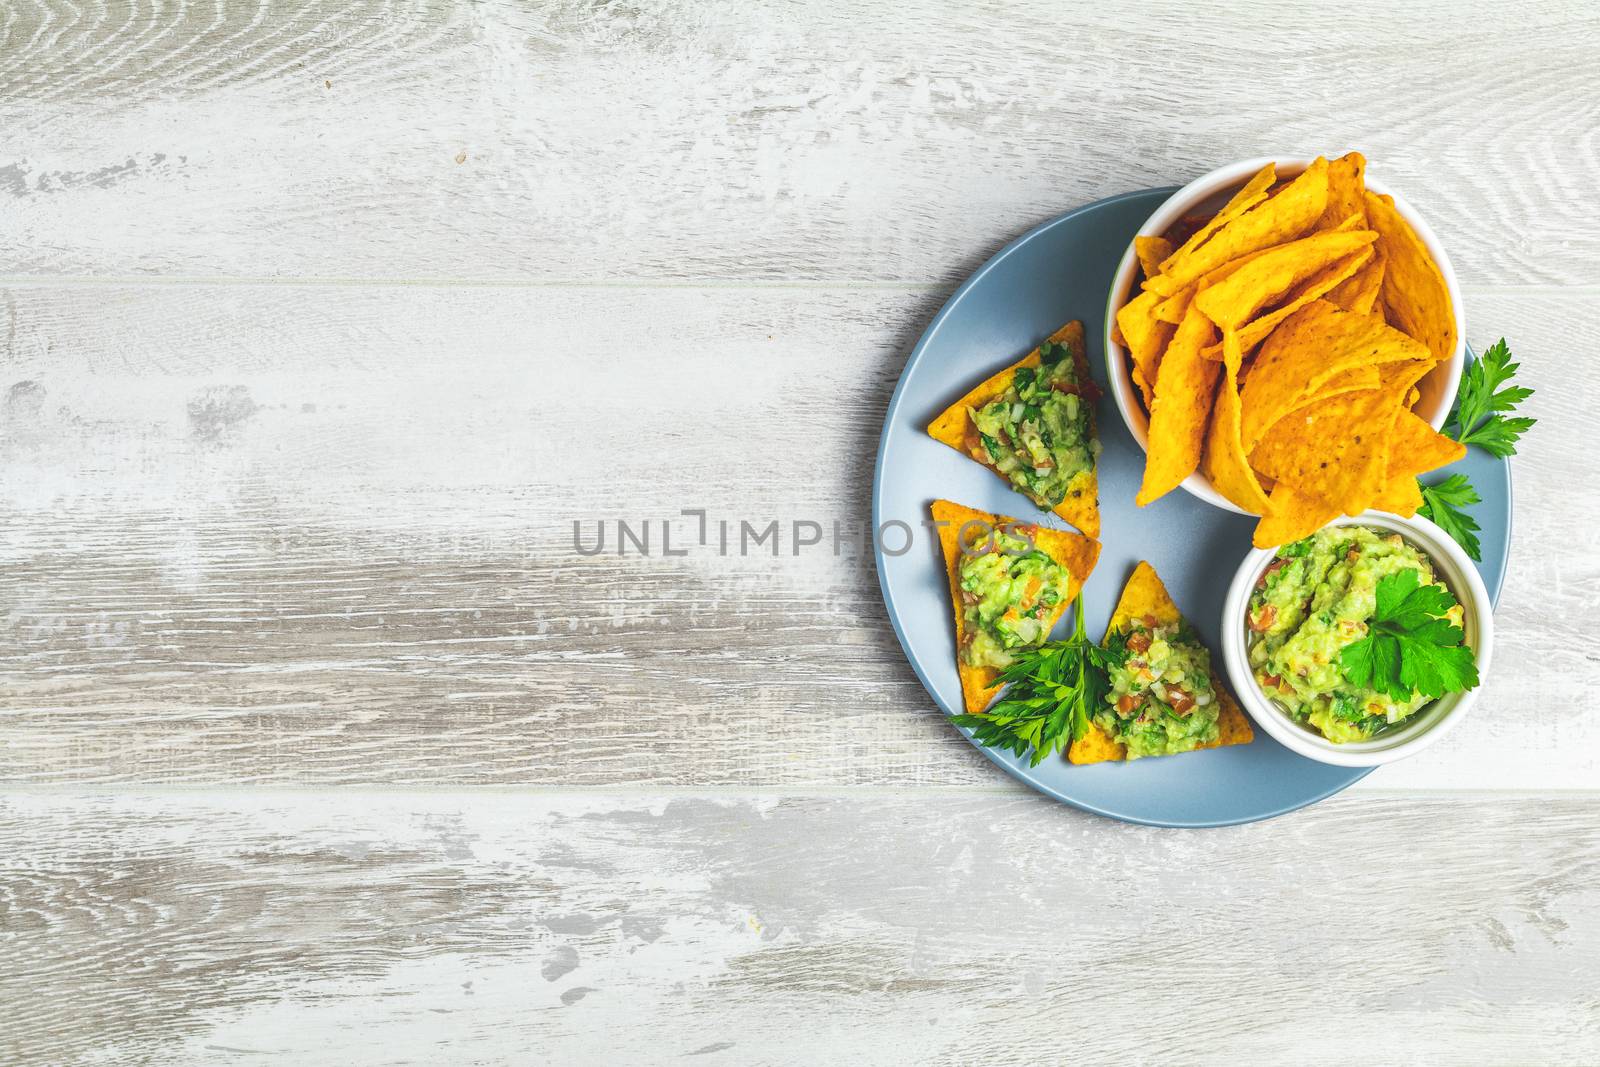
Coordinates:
[1372,664]
[1410,648]
[1478,418]
[1052,691]
[1442,504]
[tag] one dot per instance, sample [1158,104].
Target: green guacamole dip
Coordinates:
[1036,433]
[1316,597]
[1008,591]
[1161,699]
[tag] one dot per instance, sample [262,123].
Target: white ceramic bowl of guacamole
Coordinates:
[1412,733]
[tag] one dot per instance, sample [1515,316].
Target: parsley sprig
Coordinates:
[1443,503]
[1410,647]
[1480,418]
[1053,689]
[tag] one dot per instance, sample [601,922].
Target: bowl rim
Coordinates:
[1210,184]
[1431,724]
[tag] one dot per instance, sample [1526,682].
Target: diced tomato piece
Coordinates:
[1262,621]
[1139,642]
[1181,701]
[1126,703]
[1073,388]
[974,441]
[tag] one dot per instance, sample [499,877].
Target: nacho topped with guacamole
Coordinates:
[1316,598]
[1033,424]
[1010,583]
[1036,433]
[1163,697]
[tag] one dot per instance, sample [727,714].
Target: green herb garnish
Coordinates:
[1442,504]
[1052,691]
[1410,648]
[1479,418]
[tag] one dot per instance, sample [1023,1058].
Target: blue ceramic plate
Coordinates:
[1060,271]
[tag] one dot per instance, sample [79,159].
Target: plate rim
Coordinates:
[1015,773]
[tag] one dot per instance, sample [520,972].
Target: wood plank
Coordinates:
[354,928]
[318,535]
[676,139]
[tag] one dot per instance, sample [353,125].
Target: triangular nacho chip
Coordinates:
[1359,292]
[1253,192]
[1146,338]
[1225,462]
[1337,449]
[1287,214]
[1291,515]
[1151,251]
[1414,292]
[1346,190]
[1319,284]
[1074,552]
[1146,595]
[1081,505]
[1233,301]
[1316,343]
[1184,384]
[1402,496]
[1416,448]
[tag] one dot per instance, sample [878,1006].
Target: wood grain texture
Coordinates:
[321,535]
[364,929]
[315,319]
[692,139]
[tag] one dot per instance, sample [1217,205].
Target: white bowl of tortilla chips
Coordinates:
[1315,333]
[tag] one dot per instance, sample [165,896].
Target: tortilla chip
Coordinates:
[1081,505]
[1313,345]
[1287,214]
[1074,552]
[1232,301]
[1359,292]
[1146,595]
[1173,308]
[1416,448]
[1151,251]
[1257,329]
[1146,339]
[1338,448]
[1345,382]
[1291,515]
[1249,196]
[1402,496]
[1414,293]
[1348,381]
[1346,190]
[1225,462]
[1183,391]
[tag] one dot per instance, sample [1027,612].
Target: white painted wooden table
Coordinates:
[318,744]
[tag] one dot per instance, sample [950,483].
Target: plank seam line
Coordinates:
[646,792]
[36,281]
